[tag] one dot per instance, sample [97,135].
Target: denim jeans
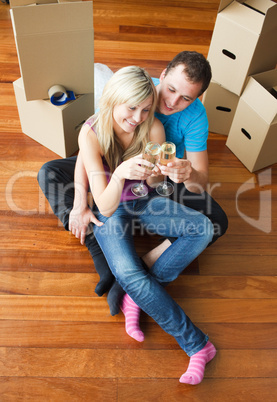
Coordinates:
[164,217]
[56,179]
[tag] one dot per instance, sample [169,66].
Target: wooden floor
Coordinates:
[58,341]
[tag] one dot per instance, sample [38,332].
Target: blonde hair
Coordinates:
[130,85]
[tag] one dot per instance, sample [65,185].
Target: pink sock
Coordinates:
[195,372]
[132,312]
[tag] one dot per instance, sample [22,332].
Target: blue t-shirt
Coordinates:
[188,129]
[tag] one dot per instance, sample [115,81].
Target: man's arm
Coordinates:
[198,180]
[193,171]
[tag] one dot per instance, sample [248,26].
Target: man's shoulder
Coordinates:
[156,81]
[196,108]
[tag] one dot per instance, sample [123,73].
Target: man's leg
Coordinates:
[205,204]
[56,179]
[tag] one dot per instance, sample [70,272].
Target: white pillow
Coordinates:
[102,74]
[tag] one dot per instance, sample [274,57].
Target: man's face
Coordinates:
[175,92]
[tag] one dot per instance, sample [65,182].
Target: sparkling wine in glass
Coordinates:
[151,154]
[168,152]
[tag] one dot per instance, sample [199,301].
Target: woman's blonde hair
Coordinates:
[131,85]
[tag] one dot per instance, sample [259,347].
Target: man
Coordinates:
[185,122]
[184,118]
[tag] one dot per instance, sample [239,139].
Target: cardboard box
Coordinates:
[220,105]
[253,134]
[55,127]
[55,45]
[243,41]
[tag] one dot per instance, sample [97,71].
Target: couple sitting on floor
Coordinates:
[135,109]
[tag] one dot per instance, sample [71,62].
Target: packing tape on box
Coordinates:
[59,95]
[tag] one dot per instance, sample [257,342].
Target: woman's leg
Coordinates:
[203,224]
[56,180]
[203,203]
[116,240]
[192,230]
[195,372]
[132,313]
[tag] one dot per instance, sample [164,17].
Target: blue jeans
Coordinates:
[164,217]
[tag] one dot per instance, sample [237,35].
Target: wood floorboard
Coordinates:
[103,363]
[60,389]
[57,389]
[58,341]
[231,390]
[111,335]
[237,264]
[187,286]
[67,308]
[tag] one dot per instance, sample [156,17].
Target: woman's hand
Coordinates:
[134,169]
[79,220]
[156,171]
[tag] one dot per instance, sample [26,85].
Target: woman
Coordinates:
[111,144]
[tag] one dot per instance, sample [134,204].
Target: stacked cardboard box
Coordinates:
[55,46]
[243,44]
[253,134]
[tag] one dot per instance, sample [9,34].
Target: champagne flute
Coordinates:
[151,154]
[168,152]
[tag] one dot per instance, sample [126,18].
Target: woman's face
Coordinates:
[127,117]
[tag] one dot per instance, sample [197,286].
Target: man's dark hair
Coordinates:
[196,67]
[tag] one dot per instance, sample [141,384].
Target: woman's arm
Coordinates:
[81,215]
[107,195]
[92,158]
[80,185]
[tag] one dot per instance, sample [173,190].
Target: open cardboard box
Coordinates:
[55,45]
[55,127]
[243,41]
[220,105]
[253,134]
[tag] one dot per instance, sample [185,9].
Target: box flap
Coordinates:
[258,96]
[20,3]
[52,18]
[225,3]
[244,16]
[261,5]
[267,79]
[269,7]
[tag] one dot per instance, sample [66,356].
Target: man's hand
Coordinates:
[79,221]
[178,171]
